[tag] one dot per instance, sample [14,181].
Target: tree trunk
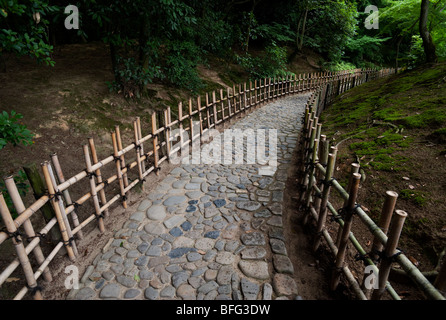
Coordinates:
[428,44]
[298,31]
[398,43]
[144,58]
[301,42]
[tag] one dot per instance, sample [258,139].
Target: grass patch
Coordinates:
[415,196]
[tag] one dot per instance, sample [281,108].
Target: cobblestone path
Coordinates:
[207,231]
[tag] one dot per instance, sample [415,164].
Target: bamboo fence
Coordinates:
[317,183]
[149,151]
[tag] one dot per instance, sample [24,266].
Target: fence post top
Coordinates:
[7,177]
[392,193]
[401,213]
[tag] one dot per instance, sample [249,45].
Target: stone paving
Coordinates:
[207,231]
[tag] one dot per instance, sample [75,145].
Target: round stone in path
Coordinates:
[255,269]
[111,290]
[187,292]
[253,253]
[174,200]
[85,294]
[225,257]
[284,285]
[154,228]
[205,244]
[248,205]
[156,212]
[253,239]
[250,289]
[144,205]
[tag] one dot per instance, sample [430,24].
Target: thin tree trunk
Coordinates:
[251,15]
[143,38]
[298,31]
[428,44]
[398,52]
[301,43]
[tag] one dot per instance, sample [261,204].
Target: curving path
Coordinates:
[207,231]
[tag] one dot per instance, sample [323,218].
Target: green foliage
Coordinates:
[181,65]
[415,196]
[133,78]
[24,29]
[272,63]
[335,66]
[331,24]
[400,21]
[426,119]
[365,48]
[12,131]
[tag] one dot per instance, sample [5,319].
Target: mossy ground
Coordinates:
[395,128]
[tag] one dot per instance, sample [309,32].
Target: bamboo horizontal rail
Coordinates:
[132,164]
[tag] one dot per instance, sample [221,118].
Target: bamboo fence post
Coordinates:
[275,88]
[58,196]
[234,99]
[63,229]
[323,149]
[180,122]
[161,137]
[222,104]
[243,99]
[240,97]
[98,174]
[122,158]
[318,130]
[20,249]
[208,118]
[311,173]
[262,91]
[255,93]
[167,121]
[384,222]
[39,189]
[214,107]
[119,174]
[354,168]
[155,138]
[200,118]
[324,200]
[310,140]
[141,151]
[93,191]
[348,220]
[229,102]
[27,225]
[268,97]
[66,193]
[389,252]
[249,98]
[138,154]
